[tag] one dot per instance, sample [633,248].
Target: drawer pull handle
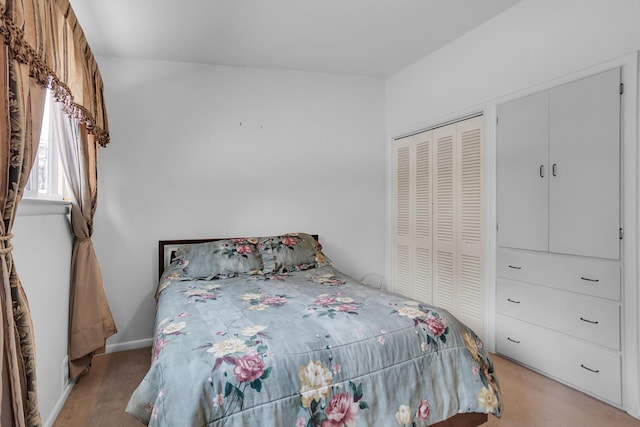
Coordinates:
[589,280]
[595,371]
[512,340]
[593,322]
[515,267]
[513,301]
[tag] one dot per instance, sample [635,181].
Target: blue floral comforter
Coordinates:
[308,348]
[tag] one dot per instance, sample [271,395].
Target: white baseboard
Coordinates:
[130,345]
[56,409]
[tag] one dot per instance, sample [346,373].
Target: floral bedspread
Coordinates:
[308,348]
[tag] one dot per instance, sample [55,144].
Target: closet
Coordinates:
[558,158]
[437,218]
[559,233]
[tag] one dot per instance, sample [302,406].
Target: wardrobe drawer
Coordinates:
[590,276]
[584,317]
[591,368]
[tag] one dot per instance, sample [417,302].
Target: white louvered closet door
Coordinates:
[423,240]
[402,213]
[438,221]
[413,223]
[469,220]
[444,217]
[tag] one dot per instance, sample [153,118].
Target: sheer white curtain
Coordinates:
[90,319]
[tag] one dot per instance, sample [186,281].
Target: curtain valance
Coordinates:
[45,35]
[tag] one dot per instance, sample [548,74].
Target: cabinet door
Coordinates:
[522,155]
[584,189]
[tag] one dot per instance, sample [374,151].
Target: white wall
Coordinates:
[42,252]
[533,42]
[528,46]
[309,156]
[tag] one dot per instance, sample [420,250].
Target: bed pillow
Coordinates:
[291,252]
[220,258]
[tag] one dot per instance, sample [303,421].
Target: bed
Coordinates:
[266,332]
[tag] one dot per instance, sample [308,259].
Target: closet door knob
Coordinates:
[541,171]
[554,169]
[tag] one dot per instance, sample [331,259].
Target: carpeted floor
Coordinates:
[531,400]
[98,399]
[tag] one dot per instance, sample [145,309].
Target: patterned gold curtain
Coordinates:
[21,115]
[43,46]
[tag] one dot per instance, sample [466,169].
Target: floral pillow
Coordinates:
[291,252]
[220,258]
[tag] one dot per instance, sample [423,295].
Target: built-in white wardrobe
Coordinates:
[438,218]
[559,230]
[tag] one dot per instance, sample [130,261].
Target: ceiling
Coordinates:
[364,37]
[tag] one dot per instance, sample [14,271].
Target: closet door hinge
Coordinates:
[621,234]
[621,88]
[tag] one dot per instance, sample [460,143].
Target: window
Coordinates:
[46,180]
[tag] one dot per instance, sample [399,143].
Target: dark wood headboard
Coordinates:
[167,249]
